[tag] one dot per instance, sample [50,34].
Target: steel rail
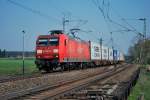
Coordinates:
[60,90]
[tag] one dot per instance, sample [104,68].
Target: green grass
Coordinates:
[142,87]
[10,66]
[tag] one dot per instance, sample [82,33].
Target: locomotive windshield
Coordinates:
[53,41]
[43,42]
[48,42]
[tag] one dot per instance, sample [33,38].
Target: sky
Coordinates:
[38,17]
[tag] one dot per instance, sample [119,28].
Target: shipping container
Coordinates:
[121,56]
[95,51]
[118,55]
[104,53]
[115,55]
[110,57]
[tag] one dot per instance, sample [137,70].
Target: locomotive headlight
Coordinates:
[39,51]
[55,50]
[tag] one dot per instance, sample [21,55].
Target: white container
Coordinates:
[118,55]
[121,56]
[95,51]
[110,54]
[104,53]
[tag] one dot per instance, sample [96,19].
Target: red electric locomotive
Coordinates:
[60,50]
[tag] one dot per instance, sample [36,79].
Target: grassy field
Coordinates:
[142,86]
[14,66]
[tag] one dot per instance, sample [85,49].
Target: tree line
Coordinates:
[140,52]
[18,54]
[3,53]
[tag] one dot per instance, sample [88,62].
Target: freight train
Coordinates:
[59,50]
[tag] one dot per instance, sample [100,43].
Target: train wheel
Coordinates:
[49,69]
[62,68]
[81,66]
[69,67]
[39,67]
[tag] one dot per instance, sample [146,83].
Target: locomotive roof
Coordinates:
[56,32]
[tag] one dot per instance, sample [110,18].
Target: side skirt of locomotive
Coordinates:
[51,65]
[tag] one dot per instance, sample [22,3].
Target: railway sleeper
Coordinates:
[107,91]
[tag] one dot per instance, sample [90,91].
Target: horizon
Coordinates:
[38,17]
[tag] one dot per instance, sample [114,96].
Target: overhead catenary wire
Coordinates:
[101,9]
[105,10]
[125,21]
[44,15]
[106,7]
[78,22]
[132,29]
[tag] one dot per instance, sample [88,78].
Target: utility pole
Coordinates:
[64,23]
[112,40]
[144,31]
[144,38]
[112,44]
[143,53]
[23,33]
[101,42]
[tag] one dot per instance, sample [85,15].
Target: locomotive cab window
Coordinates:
[53,41]
[42,42]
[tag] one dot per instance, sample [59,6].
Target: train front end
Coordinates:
[47,52]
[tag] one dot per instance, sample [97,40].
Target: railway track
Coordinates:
[17,88]
[9,78]
[115,87]
[61,90]
[4,79]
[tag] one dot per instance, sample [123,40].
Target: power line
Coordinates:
[99,7]
[32,10]
[125,21]
[105,10]
[118,24]
[78,22]
[67,16]
[102,10]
